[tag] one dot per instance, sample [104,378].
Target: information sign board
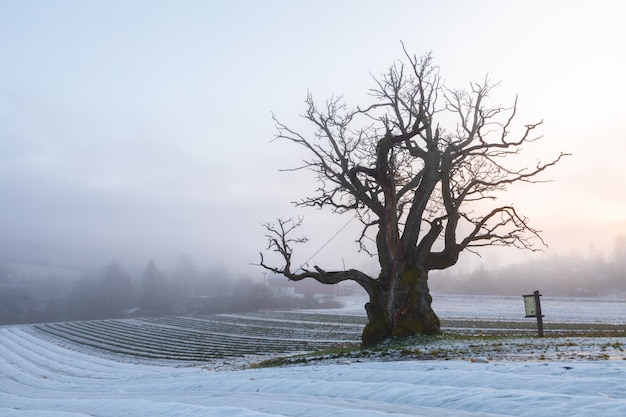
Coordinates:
[530,305]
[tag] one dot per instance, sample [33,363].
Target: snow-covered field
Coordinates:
[555,309]
[509,308]
[41,377]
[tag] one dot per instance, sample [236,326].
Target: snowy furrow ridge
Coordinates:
[39,377]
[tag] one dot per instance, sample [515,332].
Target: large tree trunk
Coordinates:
[400,309]
[400,301]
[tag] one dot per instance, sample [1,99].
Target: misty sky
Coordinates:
[133,130]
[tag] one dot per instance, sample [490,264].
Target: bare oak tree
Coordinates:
[414,185]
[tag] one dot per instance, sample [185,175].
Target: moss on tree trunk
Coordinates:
[403,309]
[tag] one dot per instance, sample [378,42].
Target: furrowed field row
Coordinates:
[260,324]
[518,328]
[151,337]
[290,318]
[261,328]
[259,331]
[137,347]
[121,341]
[184,326]
[205,345]
[177,336]
[109,346]
[197,339]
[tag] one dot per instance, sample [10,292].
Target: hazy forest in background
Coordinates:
[28,296]
[567,276]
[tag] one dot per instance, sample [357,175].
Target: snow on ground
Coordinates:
[555,309]
[39,378]
[511,308]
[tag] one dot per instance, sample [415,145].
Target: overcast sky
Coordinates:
[133,130]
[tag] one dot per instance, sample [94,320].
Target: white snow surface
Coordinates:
[511,308]
[40,378]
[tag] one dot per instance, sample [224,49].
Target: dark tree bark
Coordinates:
[411,183]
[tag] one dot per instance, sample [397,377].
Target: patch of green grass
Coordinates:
[613,345]
[335,353]
[463,347]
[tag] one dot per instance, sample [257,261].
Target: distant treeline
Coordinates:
[114,293]
[554,276]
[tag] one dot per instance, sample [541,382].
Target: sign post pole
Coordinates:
[539,315]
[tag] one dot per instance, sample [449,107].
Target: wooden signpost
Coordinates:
[532,304]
